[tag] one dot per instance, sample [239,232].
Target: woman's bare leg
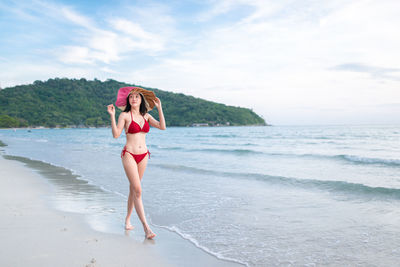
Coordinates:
[128,225]
[135,172]
[131,203]
[131,172]
[141,168]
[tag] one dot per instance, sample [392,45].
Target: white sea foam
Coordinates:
[196,243]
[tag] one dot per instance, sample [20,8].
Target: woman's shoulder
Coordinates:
[147,116]
[124,114]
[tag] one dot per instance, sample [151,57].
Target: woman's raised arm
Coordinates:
[153,122]
[116,128]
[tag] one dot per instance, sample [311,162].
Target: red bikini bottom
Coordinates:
[137,157]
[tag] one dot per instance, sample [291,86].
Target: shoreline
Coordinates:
[107,126]
[35,234]
[60,231]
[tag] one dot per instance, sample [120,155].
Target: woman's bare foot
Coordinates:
[149,234]
[128,225]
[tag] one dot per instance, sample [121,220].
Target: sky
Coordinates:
[301,62]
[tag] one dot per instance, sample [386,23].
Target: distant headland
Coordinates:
[62,102]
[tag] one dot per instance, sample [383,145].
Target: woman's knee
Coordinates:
[136,191]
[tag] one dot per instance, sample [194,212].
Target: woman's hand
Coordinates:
[157,103]
[111,109]
[153,122]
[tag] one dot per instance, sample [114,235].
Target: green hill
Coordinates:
[71,102]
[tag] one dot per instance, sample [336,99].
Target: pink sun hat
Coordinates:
[123,93]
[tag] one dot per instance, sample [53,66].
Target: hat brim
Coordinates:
[123,93]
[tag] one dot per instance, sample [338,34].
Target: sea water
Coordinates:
[261,196]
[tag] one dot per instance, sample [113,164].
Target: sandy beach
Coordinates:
[33,233]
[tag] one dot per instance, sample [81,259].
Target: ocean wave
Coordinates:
[250,144]
[169,147]
[227,135]
[353,159]
[325,185]
[196,243]
[229,143]
[41,140]
[237,151]
[342,157]
[224,135]
[366,160]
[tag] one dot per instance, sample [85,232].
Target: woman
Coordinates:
[135,102]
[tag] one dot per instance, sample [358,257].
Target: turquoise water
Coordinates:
[287,195]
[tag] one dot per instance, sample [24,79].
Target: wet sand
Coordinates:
[34,233]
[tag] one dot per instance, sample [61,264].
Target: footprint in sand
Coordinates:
[92,263]
[92,240]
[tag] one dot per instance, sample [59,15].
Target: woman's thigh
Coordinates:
[142,166]
[131,170]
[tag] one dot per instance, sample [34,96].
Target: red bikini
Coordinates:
[134,127]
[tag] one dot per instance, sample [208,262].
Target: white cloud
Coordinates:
[278,58]
[130,28]
[90,43]
[76,18]
[219,7]
[25,73]
[108,70]
[75,54]
[133,37]
[285,55]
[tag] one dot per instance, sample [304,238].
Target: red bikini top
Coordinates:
[134,127]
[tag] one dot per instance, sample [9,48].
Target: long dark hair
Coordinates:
[142,108]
